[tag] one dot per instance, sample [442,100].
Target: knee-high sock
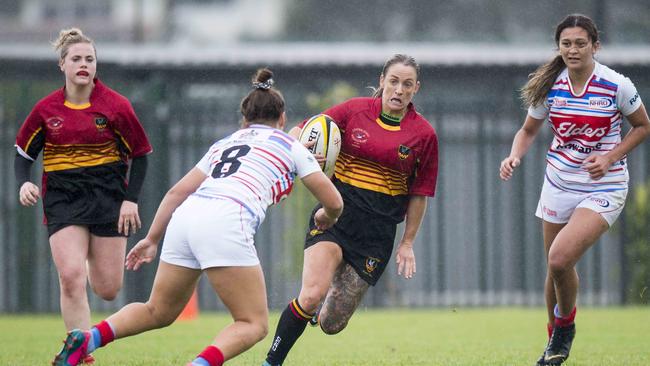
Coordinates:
[291,325]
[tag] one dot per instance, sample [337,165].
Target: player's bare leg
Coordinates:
[243,292]
[69,251]
[106,265]
[580,233]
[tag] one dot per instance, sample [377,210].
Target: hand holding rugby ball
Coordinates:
[322,129]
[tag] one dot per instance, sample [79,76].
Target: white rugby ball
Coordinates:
[322,129]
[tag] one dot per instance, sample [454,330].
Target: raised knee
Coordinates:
[558,265]
[107,292]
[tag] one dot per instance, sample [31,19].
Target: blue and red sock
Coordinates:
[100,335]
[564,321]
[211,356]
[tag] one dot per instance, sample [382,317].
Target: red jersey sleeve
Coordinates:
[426,172]
[31,135]
[129,130]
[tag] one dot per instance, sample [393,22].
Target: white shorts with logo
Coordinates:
[557,206]
[209,232]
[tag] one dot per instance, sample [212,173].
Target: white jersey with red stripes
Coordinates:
[255,167]
[584,123]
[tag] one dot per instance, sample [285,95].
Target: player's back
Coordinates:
[255,166]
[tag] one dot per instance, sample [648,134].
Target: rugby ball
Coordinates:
[322,129]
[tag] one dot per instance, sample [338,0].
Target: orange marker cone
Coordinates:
[191,310]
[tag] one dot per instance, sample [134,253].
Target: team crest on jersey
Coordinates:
[315,232]
[100,122]
[403,152]
[371,264]
[54,123]
[360,135]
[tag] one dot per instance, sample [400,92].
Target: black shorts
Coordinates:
[367,240]
[105,230]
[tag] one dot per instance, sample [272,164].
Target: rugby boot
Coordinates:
[74,349]
[559,345]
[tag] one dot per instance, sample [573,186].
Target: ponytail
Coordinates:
[541,81]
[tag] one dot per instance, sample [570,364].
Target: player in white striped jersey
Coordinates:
[210,217]
[586,176]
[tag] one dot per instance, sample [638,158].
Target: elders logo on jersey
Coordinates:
[570,129]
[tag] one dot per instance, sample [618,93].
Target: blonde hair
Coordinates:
[542,79]
[68,37]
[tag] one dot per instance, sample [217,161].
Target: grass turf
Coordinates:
[477,336]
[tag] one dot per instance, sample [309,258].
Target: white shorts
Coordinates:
[557,206]
[210,232]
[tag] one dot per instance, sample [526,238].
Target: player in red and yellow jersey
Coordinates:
[385,171]
[88,134]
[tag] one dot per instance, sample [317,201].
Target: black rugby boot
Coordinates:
[559,346]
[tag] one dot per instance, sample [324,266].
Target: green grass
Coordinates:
[500,336]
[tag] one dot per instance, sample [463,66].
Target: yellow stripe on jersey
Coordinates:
[124,140]
[62,157]
[387,127]
[368,175]
[76,106]
[31,138]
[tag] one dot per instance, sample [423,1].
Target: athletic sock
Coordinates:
[210,356]
[564,321]
[290,326]
[100,335]
[549,329]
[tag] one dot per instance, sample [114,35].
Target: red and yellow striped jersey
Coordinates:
[85,153]
[381,164]
[106,130]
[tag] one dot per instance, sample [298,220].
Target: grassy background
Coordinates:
[500,336]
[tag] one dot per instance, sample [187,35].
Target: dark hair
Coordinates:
[263,104]
[542,79]
[398,58]
[68,37]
